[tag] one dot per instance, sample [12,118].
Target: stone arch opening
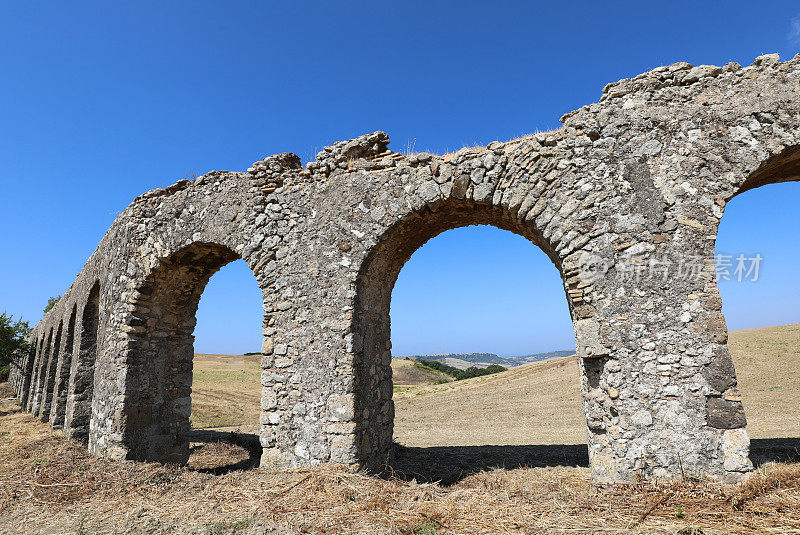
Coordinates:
[755,366]
[50,375]
[373,406]
[59,403]
[41,369]
[226,386]
[156,423]
[485,290]
[78,411]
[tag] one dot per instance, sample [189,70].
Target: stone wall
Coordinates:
[625,199]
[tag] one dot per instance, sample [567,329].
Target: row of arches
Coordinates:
[178,285]
[327,344]
[56,383]
[58,378]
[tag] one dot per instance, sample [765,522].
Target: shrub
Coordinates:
[12,342]
[51,302]
[472,371]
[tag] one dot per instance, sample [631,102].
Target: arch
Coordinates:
[78,408]
[724,408]
[158,398]
[373,406]
[40,371]
[50,375]
[30,392]
[781,167]
[27,373]
[59,403]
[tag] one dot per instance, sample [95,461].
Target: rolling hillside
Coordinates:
[530,404]
[408,372]
[537,357]
[462,361]
[540,403]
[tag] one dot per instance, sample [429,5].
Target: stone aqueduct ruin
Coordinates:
[642,176]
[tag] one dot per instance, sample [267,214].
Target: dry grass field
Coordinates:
[226,391]
[50,485]
[533,404]
[768,368]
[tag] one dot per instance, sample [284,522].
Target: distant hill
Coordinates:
[408,372]
[462,361]
[536,357]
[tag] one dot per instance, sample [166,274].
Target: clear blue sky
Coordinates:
[102,101]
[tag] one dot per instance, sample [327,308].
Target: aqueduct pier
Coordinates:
[640,178]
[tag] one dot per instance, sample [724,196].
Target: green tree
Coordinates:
[13,341]
[51,302]
[472,371]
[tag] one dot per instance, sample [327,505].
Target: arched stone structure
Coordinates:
[61,373]
[158,424]
[374,410]
[625,199]
[81,370]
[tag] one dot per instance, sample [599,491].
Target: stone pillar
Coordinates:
[659,390]
[29,379]
[48,385]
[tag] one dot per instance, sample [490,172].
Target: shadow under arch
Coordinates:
[159,385]
[371,329]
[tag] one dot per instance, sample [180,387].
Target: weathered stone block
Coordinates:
[340,407]
[725,414]
[719,373]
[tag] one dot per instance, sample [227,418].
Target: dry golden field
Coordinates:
[226,391]
[768,368]
[441,483]
[533,404]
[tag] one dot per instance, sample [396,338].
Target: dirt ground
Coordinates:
[51,485]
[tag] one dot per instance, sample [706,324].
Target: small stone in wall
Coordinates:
[735,447]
